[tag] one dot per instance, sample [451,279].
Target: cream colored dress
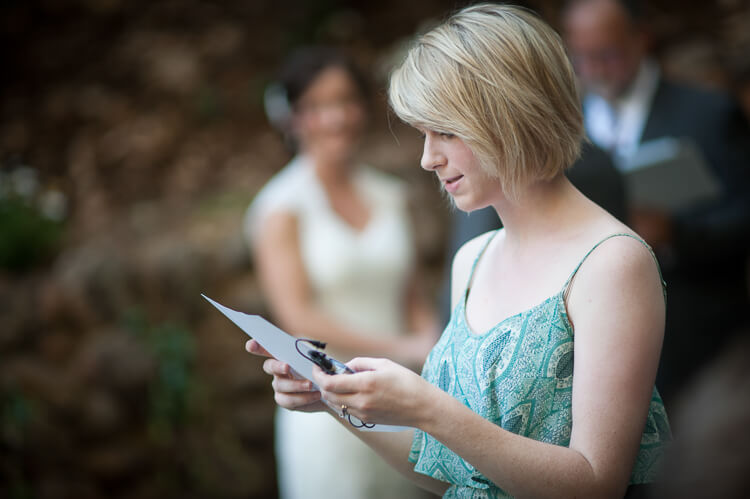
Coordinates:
[358,278]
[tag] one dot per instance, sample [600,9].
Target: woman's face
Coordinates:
[329,117]
[459,171]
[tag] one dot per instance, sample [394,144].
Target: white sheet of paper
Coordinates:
[282,346]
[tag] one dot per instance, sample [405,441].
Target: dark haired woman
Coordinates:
[334,252]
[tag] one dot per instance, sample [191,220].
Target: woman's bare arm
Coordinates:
[285,283]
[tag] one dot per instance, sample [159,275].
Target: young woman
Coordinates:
[542,384]
[333,247]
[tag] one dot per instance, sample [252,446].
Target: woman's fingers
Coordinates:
[336,383]
[363,380]
[254,347]
[291,385]
[290,391]
[283,379]
[297,401]
[365,364]
[276,368]
[341,390]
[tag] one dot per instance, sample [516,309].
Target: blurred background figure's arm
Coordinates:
[284,280]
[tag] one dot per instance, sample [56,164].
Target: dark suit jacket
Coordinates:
[708,235]
[707,295]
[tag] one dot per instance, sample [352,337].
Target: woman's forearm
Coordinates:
[382,391]
[283,278]
[307,320]
[394,448]
[522,466]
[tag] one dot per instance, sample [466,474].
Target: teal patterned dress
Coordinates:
[519,375]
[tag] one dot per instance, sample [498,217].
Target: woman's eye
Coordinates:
[445,135]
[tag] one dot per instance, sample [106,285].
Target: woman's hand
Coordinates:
[254,348]
[290,391]
[380,391]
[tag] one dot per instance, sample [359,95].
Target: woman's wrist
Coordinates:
[428,407]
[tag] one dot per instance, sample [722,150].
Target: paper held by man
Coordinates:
[669,174]
[282,346]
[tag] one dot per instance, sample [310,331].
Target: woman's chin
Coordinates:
[466,204]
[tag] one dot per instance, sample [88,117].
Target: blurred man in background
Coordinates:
[702,247]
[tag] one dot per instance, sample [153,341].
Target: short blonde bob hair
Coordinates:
[497,77]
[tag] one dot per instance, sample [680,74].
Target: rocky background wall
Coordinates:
[132,138]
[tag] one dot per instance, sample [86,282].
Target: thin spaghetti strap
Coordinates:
[566,287]
[476,261]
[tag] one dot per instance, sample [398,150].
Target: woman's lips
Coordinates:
[451,184]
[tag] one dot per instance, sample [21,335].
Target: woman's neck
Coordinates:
[542,210]
[332,172]
[343,198]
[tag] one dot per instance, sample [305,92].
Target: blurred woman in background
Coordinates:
[335,257]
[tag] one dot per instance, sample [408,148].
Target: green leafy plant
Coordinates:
[173,385]
[26,236]
[31,219]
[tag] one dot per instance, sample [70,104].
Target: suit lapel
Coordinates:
[657,123]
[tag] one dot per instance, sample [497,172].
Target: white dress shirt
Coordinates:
[617,126]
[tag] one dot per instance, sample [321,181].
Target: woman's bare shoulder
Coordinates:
[618,267]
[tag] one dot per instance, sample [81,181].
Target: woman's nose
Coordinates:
[432,158]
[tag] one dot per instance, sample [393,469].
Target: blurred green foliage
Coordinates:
[15,417]
[173,388]
[27,238]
